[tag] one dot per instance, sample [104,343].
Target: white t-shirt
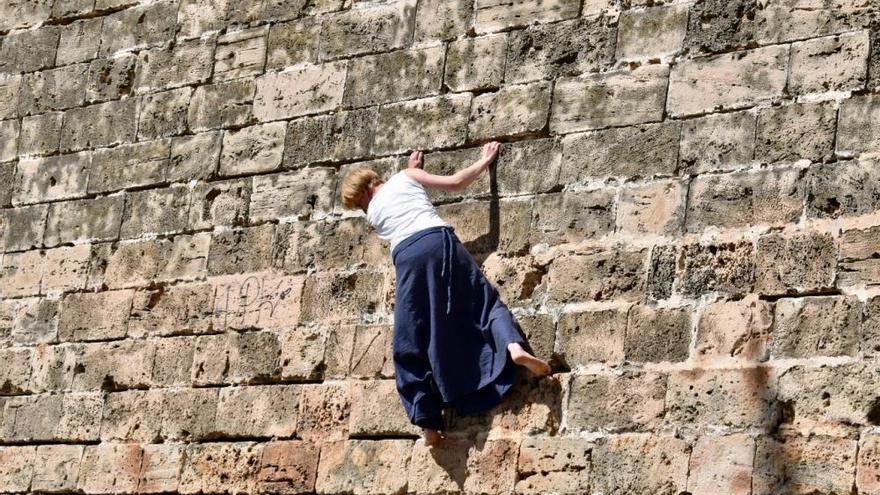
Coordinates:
[400,208]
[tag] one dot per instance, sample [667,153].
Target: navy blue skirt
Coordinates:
[451,330]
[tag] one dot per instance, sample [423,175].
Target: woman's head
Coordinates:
[357,187]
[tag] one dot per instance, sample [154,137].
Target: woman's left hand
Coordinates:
[415,160]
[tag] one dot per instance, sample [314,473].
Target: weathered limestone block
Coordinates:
[258,411]
[740,199]
[717,142]
[140,262]
[197,17]
[22,273]
[53,89]
[858,263]
[186,63]
[335,297]
[304,90]
[52,178]
[242,13]
[16,468]
[329,244]
[651,33]
[173,364]
[720,25]
[618,98]
[661,272]
[24,227]
[342,135]
[801,262]
[250,357]
[240,54]
[639,464]
[103,124]
[221,468]
[655,208]
[592,336]
[302,353]
[636,151]
[794,132]
[514,277]
[253,149]
[56,467]
[325,411]
[705,399]
[225,104]
[9,131]
[842,189]
[722,464]
[139,26]
[370,412]
[657,334]
[835,63]
[724,267]
[443,20]
[31,321]
[301,194]
[739,330]
[156,211]
[110,79]
[491,466]
[163,114]
[288,467]
[65,8]
[857,129]
[363,467]
[496,15]
[443,470]
[368,29]
[625,402]
[94,315]
[473,225]
[560,465]
[157,415]
[10,86]
[728,81]
[25,14]
[160,468]
[394,76]
[598,276]
[71,418]
[816,326]
[568,48]
[449,162]
[359,351]
[7,183]
[866,474]
[16,371]
[128,165]
[426,124]
[475,63]
[572,216]
[113,366]
[292,43]
[40,134]
[779,21]
[220,203]
[29,50]
[259,300]
[801,465]
[513,110]
[194,157]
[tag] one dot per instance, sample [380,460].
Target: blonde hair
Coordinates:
[356,184]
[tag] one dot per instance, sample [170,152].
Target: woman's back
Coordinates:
[401,208]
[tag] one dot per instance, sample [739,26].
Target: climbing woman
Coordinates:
[455,344]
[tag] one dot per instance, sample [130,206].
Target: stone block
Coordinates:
[40,134]
[163,114]
[343,135]
[843,189]
[32,321]
[618,98]
[598,276]
[253,149]
[816,326]
[197,17]
[485,226]
[727,268]
[368,29]
[475,63]
[103,124]
[867,477]
[288,467]
[736,330]
[708,398]
[21,15]
[425,124]
[795,132]
[22,273]
[560,465]
[639,464]
[187,63]
[52,178]
[719,25]
[636,151]
[66,269]
[94,316]
[56,467]
[443,20]
[113,366]
[741,199]
[173,363]
[567,48]
[155,211]
[726,82]
[242,251]
[221,467]
[194,157]
[394,76]
[110,78]
[9,131]
[632,401]
[515,278]
[718,142]
[834,63]
[857,262]
[67,418]
[139,27]
[251,357]
[128,165]
[53,89]
[160,468]
[797,464]
[495,15]
[29,50]
[722,464]
[258,411]
[324,299]
[293,43]
[571,216]
[7,183]
[363,467]
[491,466]
[443,470]
[657,334]
[653,32]
[324,416]
[15,375]
[302,353]
[586,337]
[218,203]
[655,208]
[258,300]
[224,104]
[370,412]
[329,244]
[10,86]
[304,90]
[794,263]
[24,227]
[240,54]
[511,111]
[16,468]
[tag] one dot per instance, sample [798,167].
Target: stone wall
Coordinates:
[684,217]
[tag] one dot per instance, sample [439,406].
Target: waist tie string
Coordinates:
[446,269]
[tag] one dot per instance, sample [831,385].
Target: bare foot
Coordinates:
[522,357]
[432,437]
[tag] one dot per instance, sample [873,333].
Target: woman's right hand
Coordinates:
[490,152]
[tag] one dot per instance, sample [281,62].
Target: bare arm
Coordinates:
[460,179]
